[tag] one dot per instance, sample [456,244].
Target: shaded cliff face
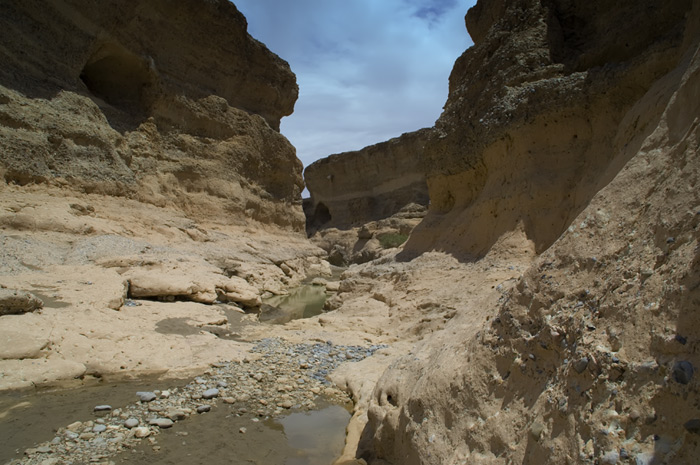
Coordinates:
[533,125]
[578,127]
[354,188]
[168,103]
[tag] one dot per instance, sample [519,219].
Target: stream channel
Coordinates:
[227,434]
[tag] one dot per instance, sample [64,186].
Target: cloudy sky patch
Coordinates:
[368,70]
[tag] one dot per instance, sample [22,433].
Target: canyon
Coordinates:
[542,309]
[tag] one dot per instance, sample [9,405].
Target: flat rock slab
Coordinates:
[18,345]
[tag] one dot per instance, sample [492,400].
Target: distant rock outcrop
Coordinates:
[354,188]
[170,103]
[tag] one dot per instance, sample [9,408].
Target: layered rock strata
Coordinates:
[354,188]
[170,104]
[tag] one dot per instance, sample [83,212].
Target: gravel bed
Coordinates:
[277,376]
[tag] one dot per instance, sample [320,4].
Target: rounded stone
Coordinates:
[692,426]
[162,423]
[581,364]
[103,408]
[683,372]
[203,408]
[142,432]
[99,428]
[145,396]
[131,423]
[210,393]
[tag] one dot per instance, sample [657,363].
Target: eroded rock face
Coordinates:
[354,188]
[536,120]
[167,103]
[586,142]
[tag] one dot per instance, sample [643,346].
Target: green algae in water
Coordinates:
[303,302]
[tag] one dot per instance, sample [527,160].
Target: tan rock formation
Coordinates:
[535,121]
[146,194]
[167,103]
[572,132]
[354,188]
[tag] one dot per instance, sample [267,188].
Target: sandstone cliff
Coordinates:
[571,133]
[354,188]
[167,103]
[140,160]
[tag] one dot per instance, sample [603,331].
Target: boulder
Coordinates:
[236,289]
[15,301]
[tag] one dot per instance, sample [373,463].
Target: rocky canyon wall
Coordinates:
[575,125]
[169,103]
[354,188]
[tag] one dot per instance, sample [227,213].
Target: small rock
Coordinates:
[610,457]
[43,450]
[210,393]
[99,429]
[286,404]
[162,423]
[693,426]
[103,408]
[165,394]
[683,372]
[142,432]
[537,429]
[229,400]
[581,364]
[242,430]
[203,408]
[176,415]
[145,396]
[131,423]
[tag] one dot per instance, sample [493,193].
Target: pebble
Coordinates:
[131,423]
[683,372]
[210,393]
[203,408]
[103,408]
[610,457]
[142,432]
[176,415]
[243,430]
[581,364]
[286,404]
[146,396]
[162,423]
[99,428]
[692,426]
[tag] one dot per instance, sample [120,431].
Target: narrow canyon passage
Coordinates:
[518,283]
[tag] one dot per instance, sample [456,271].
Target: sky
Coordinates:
[368,70]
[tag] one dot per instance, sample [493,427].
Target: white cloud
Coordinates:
[368,70]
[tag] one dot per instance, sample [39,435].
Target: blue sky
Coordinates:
[368,70]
